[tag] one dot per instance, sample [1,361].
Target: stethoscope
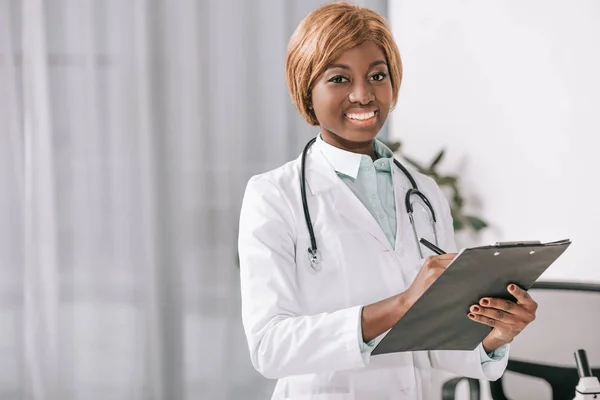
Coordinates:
[313,253]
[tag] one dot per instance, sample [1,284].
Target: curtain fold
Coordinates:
[12,202]
[40,272]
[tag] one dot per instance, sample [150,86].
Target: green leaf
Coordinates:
[454,212]
[415,164]
[437,159]
[476,223]
[458,225]
[457,199]
[393,146]
[447,180]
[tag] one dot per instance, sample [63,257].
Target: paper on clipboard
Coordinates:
[438,320]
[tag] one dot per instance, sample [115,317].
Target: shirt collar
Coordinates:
[346,162]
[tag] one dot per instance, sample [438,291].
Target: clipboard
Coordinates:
[438,320]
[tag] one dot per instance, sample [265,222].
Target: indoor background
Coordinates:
[129,128]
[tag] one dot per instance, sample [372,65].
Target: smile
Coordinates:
[362,119]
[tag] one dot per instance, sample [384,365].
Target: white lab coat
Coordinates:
[302,325]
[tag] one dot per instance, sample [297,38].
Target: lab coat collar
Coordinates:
[321,176]
[346,162]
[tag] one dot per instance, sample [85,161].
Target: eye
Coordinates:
[379,76]
[338,79]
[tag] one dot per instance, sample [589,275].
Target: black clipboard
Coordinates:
[438,320]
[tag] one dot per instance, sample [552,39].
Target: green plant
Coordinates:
[457,201]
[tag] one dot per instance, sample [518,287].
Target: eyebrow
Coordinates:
[344,66]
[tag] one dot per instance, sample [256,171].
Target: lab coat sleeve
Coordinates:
[367,347]
[469,363]
[464,363]
[494,356]
[282,341]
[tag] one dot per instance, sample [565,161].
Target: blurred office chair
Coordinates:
[541,362]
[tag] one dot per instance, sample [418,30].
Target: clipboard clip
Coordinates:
[521,243]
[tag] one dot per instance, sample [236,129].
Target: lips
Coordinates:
[360,113]
[362,118]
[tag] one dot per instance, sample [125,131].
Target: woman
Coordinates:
[312,318]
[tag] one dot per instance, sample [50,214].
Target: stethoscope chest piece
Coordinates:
[314,258]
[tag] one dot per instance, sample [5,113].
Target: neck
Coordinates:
[365,148]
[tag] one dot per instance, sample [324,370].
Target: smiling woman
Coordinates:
[351,98]
[313,319]
[344,71]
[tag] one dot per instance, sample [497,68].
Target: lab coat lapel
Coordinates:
[321,176]
[348,205]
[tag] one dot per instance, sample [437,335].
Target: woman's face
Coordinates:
[352,98]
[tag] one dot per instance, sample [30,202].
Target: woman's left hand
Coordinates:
[506,317]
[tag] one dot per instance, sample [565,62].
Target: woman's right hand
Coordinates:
[379,317]
[432,268]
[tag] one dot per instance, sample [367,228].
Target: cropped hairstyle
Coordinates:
[323,36]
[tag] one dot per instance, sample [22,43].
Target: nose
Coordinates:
[361,93]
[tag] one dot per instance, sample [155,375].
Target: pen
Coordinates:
[432,246]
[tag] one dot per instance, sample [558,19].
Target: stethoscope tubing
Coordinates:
[313,254]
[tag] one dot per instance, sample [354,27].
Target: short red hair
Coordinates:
[323,36]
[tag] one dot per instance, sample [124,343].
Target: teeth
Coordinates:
[361,116]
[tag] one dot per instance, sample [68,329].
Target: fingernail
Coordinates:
[475,309]
[512,288]
[471,316]
[485,302]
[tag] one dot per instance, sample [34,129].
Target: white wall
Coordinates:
[512,89]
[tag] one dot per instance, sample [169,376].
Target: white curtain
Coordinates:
[128,129]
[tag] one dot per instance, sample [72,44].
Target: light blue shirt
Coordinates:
[371,182]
